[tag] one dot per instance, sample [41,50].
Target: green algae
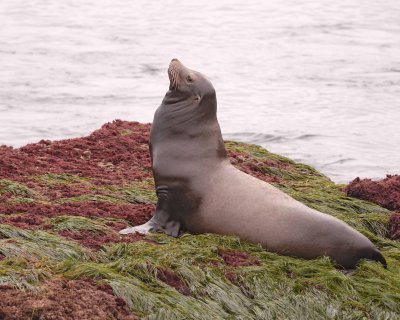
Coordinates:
[28,258]
[16,189]
[279,287]
[126,132]
[19,273]
[77,223]
[52,179]
[22,200]
[133,195]
[134,192]
[93,197]
[38,245]
[109,219]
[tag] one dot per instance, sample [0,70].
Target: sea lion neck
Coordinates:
[190,101]
[188,115]
[176,100]
[183,120]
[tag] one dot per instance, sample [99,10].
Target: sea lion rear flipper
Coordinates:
[376,255]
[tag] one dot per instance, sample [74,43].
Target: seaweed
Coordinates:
[62,204]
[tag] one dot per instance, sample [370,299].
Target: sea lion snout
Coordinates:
[175,63]
[174,69]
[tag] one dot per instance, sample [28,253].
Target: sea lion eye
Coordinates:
[189,78]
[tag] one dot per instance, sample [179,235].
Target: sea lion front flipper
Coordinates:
[164,213]
[149,226]
[173,228]
[155,224]
[162,221]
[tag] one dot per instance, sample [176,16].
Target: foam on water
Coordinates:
[318,81]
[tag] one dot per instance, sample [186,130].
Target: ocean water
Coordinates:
[317,81]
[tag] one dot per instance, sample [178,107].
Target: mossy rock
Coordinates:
[192,277]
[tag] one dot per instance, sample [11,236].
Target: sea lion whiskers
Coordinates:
[176,84]
[173,72]
[175,79]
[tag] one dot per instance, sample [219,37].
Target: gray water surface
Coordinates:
[318,81]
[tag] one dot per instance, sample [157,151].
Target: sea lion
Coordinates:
[199,190]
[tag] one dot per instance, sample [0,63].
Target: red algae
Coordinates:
[108,155]
[385,192]
[256,170]
[64,300]
[237,258]
[53,193]
[97,241]
[234,278]
[115,155]
[248,165]
[171,279]
[394,226]
[237,280]
[133,213]
[24,221]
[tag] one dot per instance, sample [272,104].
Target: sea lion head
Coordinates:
[190,88]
